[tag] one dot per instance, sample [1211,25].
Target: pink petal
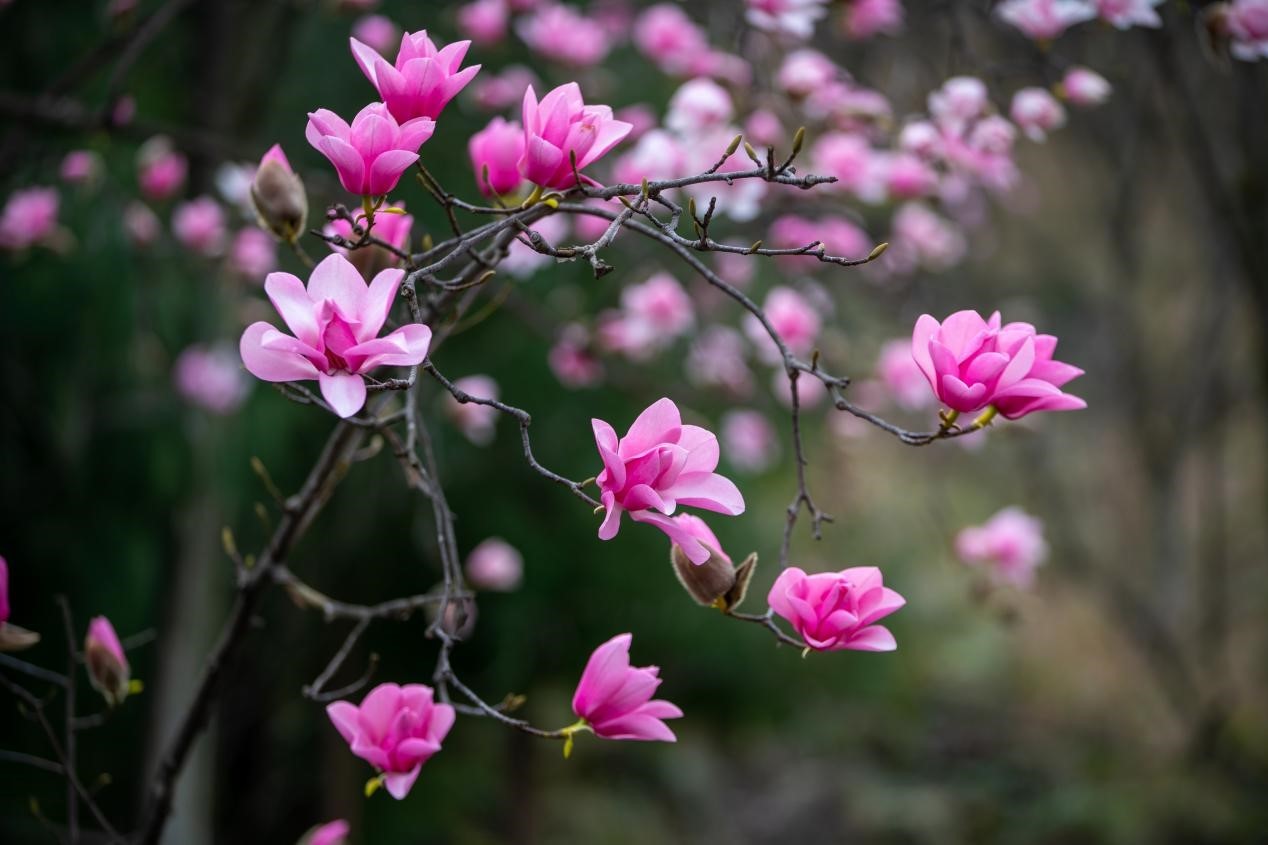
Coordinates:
[365,56]
[376,304]
[709,491]
[398,784]
[344,716]
[872,638]
[337,280]
[272,364]
[405,347]
[291,300]
[659,423]
[344,391]
[386,170]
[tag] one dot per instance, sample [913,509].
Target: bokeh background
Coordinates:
[1121,700]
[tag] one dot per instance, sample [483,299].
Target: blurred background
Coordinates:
[1119,699]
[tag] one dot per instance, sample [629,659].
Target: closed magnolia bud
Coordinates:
[717,582]
[459,617]
[278,196]
[107,665]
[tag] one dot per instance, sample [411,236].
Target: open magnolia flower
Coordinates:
[335,323]
[614,699]
[837,610]
[561,126]
[372,152]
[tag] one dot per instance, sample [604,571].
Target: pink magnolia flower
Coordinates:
[920,237]
[478,423]
[750,441]
[615,699]
[1036,112]
[107,664]
[377,32]
[897,370]
[484,21]
[972,363]
[253,253]
[657,155]
[665,34]
[1043,20]
[499,147]
[717,359]
[571,360]
[330,833]
[560,33]
[560,126]
[1084,87]
[396,729]
[832,611]
[922,138]
[865,18]
[160,169]
[140,224]
[850,158]
[795,18]
[850,107]
[199,226]
[838,236]
[423,80]
[794,320]
[81,167]
[641,117]
[1124,14]
[29,217]
[495,565]
[804,71]
[211,378]
[336,323]
[658,465]
[907,176]
[763,129]
[392,229]
[960,100]
[1010,545]
[1247,22]
[661,303]
[698,106]
[497,92]
[370,154]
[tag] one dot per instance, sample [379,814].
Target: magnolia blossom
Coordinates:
[392,229]
[495,565]
[1043,20]
[423,80]
[832,611]
[837,235]
[1036,112]
[850,158]
[1247,23]
[377,32]
[484,21]
[562,126]
[920,237]
[1009,545]
[750,440]
[794,18]
[107,665]
[699,105]
[661,303]
[495,153]
[657,155]
[742,199]
[641,117]
[898,372]
[614,699]
[253,253]
[958,101]
[865,18]
[396,729]
[922,138]
[804,71]
[1084,87]
[160,169]
[1125,14]
[140,224]
[907,176]
[658,465]
[199,226]
[500,91]
[560,33]
[849,107]
[717,359]
[794,320]
[763,128]
[478,423]
[330,833]
[29,217]
[81,167]
[211,378]
[571,360]
[667,36]
[372,152]
[973,363]
[335,322]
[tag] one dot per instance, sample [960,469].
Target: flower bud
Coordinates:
[107,665]
[717,582]
[278,196]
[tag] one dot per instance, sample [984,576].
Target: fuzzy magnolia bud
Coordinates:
[107,664]
[458,618]
[717,582]
[278,196]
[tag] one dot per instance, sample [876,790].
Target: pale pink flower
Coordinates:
[495,565]
[849,107]
[497,92]
[1124,14]
[1043,20]
[750,440]
[810,394]
[717,359]
[199,226]
[1247,22]
[499,148]
[336,322]
[81,167]
[838,236]
[907,176]
[920,237]
[657,155]
[699,105]
[484,21]
[658,465]
[561,126]
[666,35]
[372,152]
[107,665]
[794,320]
[794,18]
[922,138]
[562,34]
[804,71]
[211,378]
[29,217]
[972,363]
[1084,87]
[897,370]
[660,302]
[1036,112]
[763,129]
[832,611]
[253,253]
[615,699]
[865,18]
[959,101]
[478,423]
[140,224]
[641,118]
[992,134]
[161,170]
[571,360]
[1009,545]
[330,833]
[850,158]
[742,200]
[421,83]
[377,32]
[396,730]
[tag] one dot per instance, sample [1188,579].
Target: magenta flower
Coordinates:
[495,565]
[751,442]
[335,322]
[29,217]
[561,34]
[4,591]
[108,668]
[330,833]
[161,170]
[499,147]
[1010,545]
[1247,23]
[423,80]
[377,31]
[253,253]
[81,167]
[478,423]
[211,378]
[658,465]
[794,319]
[900,375]
[562,125]
[396,729]
[571,359]
[484,21]
[370,154]
[1085,87]
[199,226]
[615,699]
[865,18]
[973,363]
[836,610]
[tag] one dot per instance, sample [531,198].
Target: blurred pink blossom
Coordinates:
[897,370]
[804,71]
[377,32]
[29,217]
[699,105]
[832,611]
[160,169]
[140,224]
[495,565]
[865,18]
[838,236]
[253,253]
[571,360]
[1124,14]
[657,155]
[1043,20]
[330,833]
[484,21]
[522,260]
[762,128]
[199,226]
[211,378]
[560,33]
[717,359]
[850,158]
[614,699]
[920,237]
[1084,87]
[478,423]
[497,92]
[750,441]
[107,665]
[1036,112]
[959,100]
[391,229]
[793,18]
[1009,545]
[794,320]
[641,117]
[907,176]
[1247,22]
[81,167]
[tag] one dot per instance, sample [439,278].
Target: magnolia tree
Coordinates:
[812,172]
